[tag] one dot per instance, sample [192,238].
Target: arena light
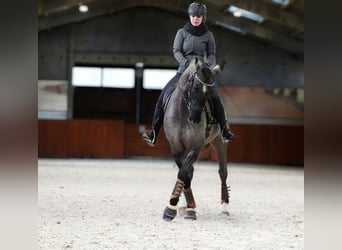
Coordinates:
[83,8]
[237,12]
[281,2]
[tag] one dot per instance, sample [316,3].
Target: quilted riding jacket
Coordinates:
[187,46]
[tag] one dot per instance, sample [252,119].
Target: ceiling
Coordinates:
[282,26]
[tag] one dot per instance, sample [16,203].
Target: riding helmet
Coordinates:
[197,9]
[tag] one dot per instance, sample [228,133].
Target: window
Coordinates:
[103,77]
[118,78]
[157,78]
[86,76]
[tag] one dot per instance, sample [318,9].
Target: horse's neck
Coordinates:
[183,84]
[183,81]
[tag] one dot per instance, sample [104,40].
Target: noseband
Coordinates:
[195,75]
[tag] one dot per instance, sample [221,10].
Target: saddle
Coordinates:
[166,102]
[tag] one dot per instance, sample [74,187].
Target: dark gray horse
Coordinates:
[188,129]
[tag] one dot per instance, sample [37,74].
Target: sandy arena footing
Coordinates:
[118,204]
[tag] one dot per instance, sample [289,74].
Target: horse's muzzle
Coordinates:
[192,122]
[195,116]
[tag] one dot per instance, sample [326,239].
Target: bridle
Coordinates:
[195,75]
[187,98]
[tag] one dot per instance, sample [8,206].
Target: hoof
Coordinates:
[181,211]
[169,214]
[190,214]
[225,208]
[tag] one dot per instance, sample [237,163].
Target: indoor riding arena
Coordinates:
[102,66]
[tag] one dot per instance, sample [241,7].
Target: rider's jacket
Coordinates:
[187,46]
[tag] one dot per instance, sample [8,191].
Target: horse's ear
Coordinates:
[198,63]
[219,67]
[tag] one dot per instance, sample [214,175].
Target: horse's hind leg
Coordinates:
[221,149]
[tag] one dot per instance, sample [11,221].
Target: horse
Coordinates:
[187,129]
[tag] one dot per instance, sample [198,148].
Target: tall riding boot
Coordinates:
[158,116]
[221,118]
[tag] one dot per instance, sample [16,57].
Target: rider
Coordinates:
[194,39]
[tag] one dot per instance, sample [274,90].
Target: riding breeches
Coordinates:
[158,111]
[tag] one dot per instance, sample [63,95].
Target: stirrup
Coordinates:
[227,135]
[149,139]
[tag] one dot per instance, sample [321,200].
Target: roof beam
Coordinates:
[54,6]
[215,15]
[299,4]
[272,37]
[57,16]
[270,12]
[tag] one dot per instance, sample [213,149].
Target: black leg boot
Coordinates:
[158,116]
[219,113]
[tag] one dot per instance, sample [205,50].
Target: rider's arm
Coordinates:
[178,49]
[211,50]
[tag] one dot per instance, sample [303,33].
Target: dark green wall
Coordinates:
[146,34]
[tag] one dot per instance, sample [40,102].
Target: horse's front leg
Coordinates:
[183,183]
[187,202]
[189,211]
[170,211]
[186,173]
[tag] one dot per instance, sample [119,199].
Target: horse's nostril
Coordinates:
[193,121]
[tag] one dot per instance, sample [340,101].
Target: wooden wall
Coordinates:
[113,103]
[80,139]
[266,144]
